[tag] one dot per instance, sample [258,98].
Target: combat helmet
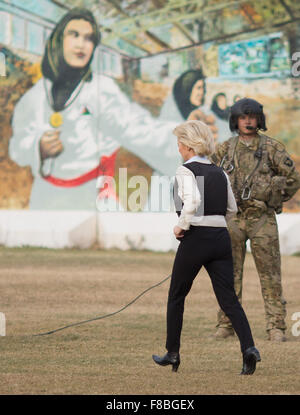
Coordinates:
[246,106]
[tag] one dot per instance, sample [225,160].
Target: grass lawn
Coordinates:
[43,289]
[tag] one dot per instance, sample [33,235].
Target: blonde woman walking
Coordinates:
[203,197]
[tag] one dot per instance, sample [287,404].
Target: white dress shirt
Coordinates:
[189,194]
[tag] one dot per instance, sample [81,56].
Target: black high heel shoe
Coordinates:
[250,357]
[171,358]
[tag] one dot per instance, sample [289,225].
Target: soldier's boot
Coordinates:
[277,335]
[223,333]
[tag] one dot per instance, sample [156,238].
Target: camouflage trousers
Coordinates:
[264,241]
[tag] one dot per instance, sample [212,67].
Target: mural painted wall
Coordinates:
[74,111]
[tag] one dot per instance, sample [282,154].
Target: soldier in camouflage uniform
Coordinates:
[262,176]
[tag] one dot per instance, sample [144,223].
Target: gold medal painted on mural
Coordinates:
[56,119]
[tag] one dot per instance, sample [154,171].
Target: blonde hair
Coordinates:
[196,135]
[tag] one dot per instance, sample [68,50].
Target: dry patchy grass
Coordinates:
[45,289]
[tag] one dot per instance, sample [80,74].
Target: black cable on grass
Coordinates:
[79,323]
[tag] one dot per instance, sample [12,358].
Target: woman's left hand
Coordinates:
[178,232]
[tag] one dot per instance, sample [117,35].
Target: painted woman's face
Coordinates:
[197,93]
[222,104]
[78,43]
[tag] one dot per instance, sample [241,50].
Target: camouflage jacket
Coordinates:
[262,174]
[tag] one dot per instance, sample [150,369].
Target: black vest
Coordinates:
[212,185]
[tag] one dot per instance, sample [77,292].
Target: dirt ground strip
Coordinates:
[43,289]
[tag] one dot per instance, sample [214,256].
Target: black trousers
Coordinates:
[209,247]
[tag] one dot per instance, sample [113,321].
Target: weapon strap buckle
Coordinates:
[229,168]
[246,193]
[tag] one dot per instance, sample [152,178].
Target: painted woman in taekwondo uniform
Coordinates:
[70,124]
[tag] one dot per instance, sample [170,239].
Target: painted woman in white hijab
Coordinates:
[221,113]
[186,102]
[70,124]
